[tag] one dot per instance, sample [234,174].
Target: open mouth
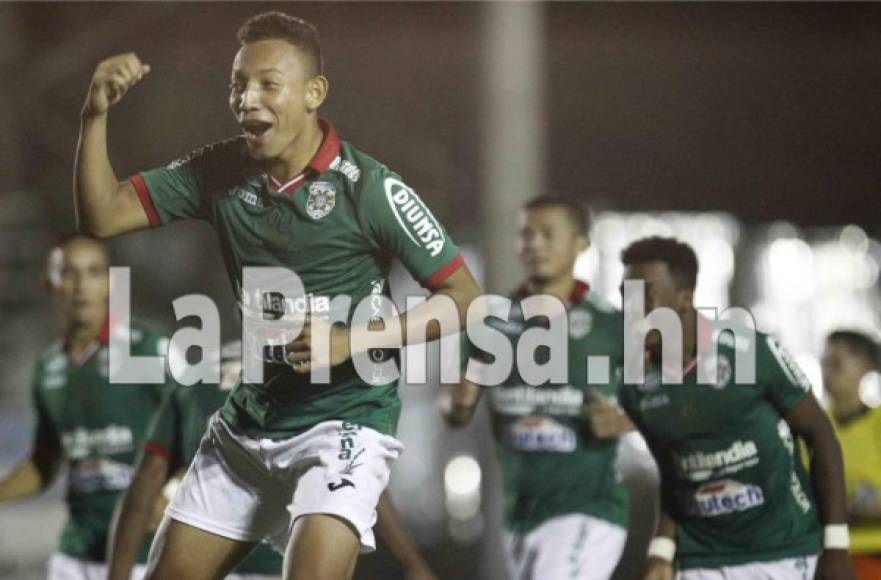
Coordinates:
[255,129]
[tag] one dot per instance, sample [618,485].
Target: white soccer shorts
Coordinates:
[801,568]
[250,489]
[570,547]
[64,567]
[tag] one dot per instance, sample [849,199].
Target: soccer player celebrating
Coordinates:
[849,356]
[565,506]
[81,419]
[170,446]
[301,464]
[735,501]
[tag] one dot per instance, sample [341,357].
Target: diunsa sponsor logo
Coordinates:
[415,219]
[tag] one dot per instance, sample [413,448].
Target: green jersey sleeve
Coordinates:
[173,192]
[46,438]
[784,382]
[397,221]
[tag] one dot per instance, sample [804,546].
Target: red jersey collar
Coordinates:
[320,162]
[579,291]
[102,338]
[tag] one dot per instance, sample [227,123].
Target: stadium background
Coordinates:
[752,130]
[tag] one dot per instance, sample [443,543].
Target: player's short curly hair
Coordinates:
[577,211]
[860,344]
[678,256]
[276,25]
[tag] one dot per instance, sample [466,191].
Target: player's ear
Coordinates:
[316,92]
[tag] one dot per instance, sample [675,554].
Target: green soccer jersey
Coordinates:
[338,226]
[728,461]
[550,462]
[175,433]
[97,427]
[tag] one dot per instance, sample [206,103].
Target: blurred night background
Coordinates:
[750,130]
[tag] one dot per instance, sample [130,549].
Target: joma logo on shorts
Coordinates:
[415,219]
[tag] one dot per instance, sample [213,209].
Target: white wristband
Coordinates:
[663,548]
[836,537]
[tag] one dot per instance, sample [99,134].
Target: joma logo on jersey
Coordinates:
[726,497]
[415,219]
[248,197]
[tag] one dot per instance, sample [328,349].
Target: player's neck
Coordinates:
[79,335]
[561,287]
[848,407]
[297,155]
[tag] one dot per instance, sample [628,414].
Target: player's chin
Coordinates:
[258,151]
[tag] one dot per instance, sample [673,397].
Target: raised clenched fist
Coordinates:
[112,80]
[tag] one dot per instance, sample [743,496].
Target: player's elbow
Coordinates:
[95,228]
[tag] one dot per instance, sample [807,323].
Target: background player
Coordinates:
[171,443]
[848,358]
[565,506]
[81,419]
[735,501]
[286,193]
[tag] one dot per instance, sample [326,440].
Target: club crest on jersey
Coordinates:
[580,324]
[322,199]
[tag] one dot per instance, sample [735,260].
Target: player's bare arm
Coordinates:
[105,206]
[460,286]
[658,567]
[31,476]
[607,421]
[133,514]
[811,423]
[398,540]
[459,402]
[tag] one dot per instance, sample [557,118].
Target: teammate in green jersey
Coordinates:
[565,506]
[81,419]
[171,443]
[735,500]
[288,194]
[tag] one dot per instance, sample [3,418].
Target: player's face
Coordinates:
[662,290]
[549,243]
[272,96]
[842,370]
[78,278]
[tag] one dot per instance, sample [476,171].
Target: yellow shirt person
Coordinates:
[848,358]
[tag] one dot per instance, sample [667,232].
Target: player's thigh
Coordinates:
[576,546]
[183,551]
[322,547]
